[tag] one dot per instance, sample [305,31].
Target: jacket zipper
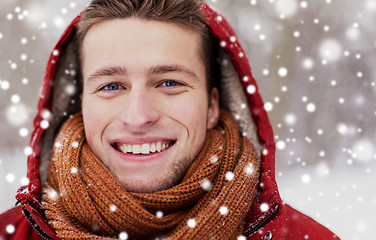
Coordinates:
[262,222]
[35,226]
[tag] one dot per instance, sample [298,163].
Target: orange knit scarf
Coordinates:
[84,201]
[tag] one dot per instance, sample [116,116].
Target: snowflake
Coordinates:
[24,41]
[74,170]
[286,8]
[23,132]
[206,185]
[251,89]
[249,169]
[330,50]
[213,159]
[191,223]
[281,145]
[44,124]
[282,72]
[229,176]
[52,194]
[290,119]
[223,210]
[10,229]
[264,207]
[306,178]
[24,181]
[75,144]
[123,236]
[28,151]
[303,4]
[159,214]
[113,208]
[308,63]
[265,152]
[10,177]
[15,98]
[311,107]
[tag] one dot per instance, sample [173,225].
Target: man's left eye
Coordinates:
[170,83]
[111,87]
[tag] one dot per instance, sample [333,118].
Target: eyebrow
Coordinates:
[107,71]
[161,69]
[155,70]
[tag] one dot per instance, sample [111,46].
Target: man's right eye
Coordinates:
[111,87]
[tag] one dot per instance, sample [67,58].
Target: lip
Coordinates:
[141,158]
[140,141]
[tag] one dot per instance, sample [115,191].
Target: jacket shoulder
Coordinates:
[13,225]
[300,226]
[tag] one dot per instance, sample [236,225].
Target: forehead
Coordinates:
[123,41]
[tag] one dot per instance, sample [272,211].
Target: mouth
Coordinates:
[144,148]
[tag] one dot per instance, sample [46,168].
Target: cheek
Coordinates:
[192,116]
[95,119]
[190,113]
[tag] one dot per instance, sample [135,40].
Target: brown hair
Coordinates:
[185,13]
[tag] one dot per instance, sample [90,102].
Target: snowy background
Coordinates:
[314,63]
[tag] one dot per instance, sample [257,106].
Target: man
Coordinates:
[142,148]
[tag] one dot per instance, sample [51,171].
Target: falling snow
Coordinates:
[74,170]
[53,194]
[10,229]
[213,159]
[223,210]
[264,207]
[206,185]
[159,214]
[314,65]
[123,236]
[191,223]
[113,208]
[23,132]
[249,168]
[229,176]
[75,144]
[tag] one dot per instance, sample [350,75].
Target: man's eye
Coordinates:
[111,87]
[171,83]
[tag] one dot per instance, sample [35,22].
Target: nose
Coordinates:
[140,110]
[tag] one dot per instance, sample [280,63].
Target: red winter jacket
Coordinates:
[274,220]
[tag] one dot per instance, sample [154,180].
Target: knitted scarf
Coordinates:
[84,201]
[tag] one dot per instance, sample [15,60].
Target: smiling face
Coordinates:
[144,102]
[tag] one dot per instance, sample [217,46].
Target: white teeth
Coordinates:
[136,149]
[128,149]
[122,148]
[158,147]
[152,148]
[145,148]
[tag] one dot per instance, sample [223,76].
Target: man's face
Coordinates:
[145,103]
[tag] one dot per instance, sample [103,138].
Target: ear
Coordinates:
[213,111]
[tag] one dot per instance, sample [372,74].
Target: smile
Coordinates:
[145,148]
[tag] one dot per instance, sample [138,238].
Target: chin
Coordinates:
[152,184]
[140,186]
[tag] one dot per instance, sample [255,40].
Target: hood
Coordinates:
[239,95]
